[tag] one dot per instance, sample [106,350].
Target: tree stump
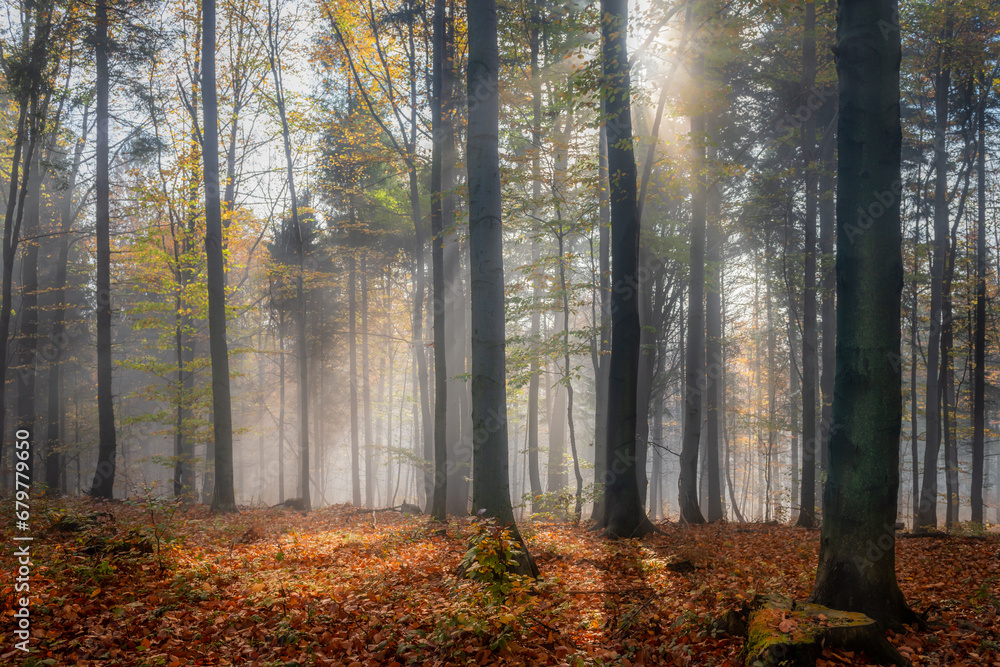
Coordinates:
[785,632]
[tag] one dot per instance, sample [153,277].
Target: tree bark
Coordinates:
[27,342]
[104,476]
[807,504]
[695,350]
[490,481]
[223,499]
[352,332]
[979,377]
[603,348]
[860,494]
[439,509]
[624,515]
[927,510]
[713,353]
[54,459]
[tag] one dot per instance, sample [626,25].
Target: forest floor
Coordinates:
[139,583]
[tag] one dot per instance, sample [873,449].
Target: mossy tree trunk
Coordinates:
[856,569]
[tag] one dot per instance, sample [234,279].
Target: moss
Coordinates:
[767,645]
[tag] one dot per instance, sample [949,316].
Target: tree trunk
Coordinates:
[979,376]
[623,513]
[927,510]
[807,505]
[713,353]
[223,499]
[793,417]
[27,342]
[366,389]
[352,333]
[828,289]
[439,508]
[104,477]
[455,306]
[695,350]
[602,357]
[490,481]
[300,240]
[281,406]
[54,459]
[856,570]
[534,43]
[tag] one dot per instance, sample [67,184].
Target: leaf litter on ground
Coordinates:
[159,584]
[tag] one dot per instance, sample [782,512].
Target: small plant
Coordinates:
[493,602]
[491,556]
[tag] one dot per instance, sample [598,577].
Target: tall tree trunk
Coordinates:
[713,353]
[772,395]
[860,493]
[352,333]
[695,350]
[602,358]
[27,343]
[927,510]
[828,289]
[534,43]
[793,417]
[624,515]
[281,406]
[567,378]
[301,323]
[223,499]
[439,502]
[807,504]
[490,481]
[914,359]
[366,389]
[104,477]
[54,459]
[979,376]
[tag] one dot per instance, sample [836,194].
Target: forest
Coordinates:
[386,332]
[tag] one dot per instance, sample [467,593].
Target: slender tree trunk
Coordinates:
[914,360]
[439,508]
[602,364]
[224,496]
[793,417]
[281,406]
[352,333]
[490,481]
[104,477]
[534,43]
[979,376]
[828,289]
[366,389]
[772,393]
[713,353]
[54,459]
[456,301]
[927,510]
[623,512]
[695,351]
[567,378]
[300,241]
[860,494]
[27,343]
[807,504]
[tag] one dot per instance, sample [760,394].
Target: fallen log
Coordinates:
[786,632]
